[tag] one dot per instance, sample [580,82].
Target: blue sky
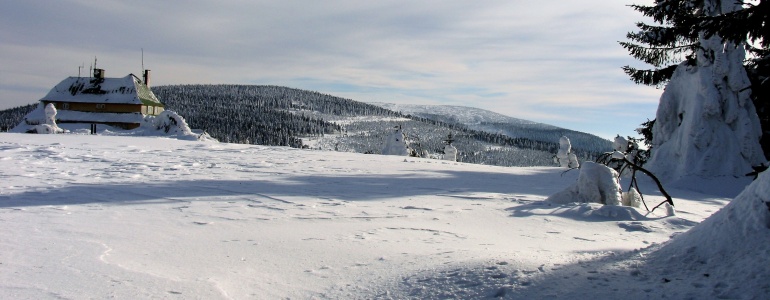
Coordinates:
[556,62]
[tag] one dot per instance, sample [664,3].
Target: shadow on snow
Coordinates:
[459,184]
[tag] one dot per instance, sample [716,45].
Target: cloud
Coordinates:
[546,61]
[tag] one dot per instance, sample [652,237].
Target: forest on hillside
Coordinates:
[263,115]
[281,116]
[12,116]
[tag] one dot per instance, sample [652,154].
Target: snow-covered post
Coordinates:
[706,124]
[395,144]
[565,158]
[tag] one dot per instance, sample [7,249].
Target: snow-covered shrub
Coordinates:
[172,123]
[450,153]
[565,158]
[631,198]
[620,144]
[626,150]
[596,183]
[169,123]
[573,161]
[395,144]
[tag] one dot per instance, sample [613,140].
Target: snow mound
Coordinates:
[31,120]
[599,212]
[731,248]
[169,123]
[596,183]
[41,120]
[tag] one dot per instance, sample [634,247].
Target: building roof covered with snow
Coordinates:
[124,90]
[121,102]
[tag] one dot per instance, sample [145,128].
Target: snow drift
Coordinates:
[731,249]
[596,184]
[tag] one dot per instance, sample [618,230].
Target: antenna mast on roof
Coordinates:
[142,59]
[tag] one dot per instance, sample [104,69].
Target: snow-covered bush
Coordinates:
[625,150]
[596,183]
[565,158]
[631,198]
[395,144]
[627,164]
[620,144]
[170,122]
[450,153]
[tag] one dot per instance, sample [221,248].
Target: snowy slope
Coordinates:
[460,114]
[146,217]
[492,122]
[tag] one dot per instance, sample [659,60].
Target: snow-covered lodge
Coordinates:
[120,102]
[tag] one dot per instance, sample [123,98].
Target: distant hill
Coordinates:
[282,116]
[492,122]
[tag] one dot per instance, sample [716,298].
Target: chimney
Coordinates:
[99,73]
[146,78]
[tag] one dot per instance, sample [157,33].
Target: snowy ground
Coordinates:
[129,217]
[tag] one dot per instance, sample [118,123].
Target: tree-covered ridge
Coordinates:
[12,116]
[281,116]
[263,115]
[273,115]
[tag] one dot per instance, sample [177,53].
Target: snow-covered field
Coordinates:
[137,218]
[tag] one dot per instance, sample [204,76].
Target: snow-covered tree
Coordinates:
[49,127]
[706,124]
[664,44]
[395,144]
[750,26]
[450,153]
[50,114]
[565,158]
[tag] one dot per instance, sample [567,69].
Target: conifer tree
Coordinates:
[705,121]
[674,38]
[750,26]
[665,44]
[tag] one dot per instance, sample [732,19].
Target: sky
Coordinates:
[555,62]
